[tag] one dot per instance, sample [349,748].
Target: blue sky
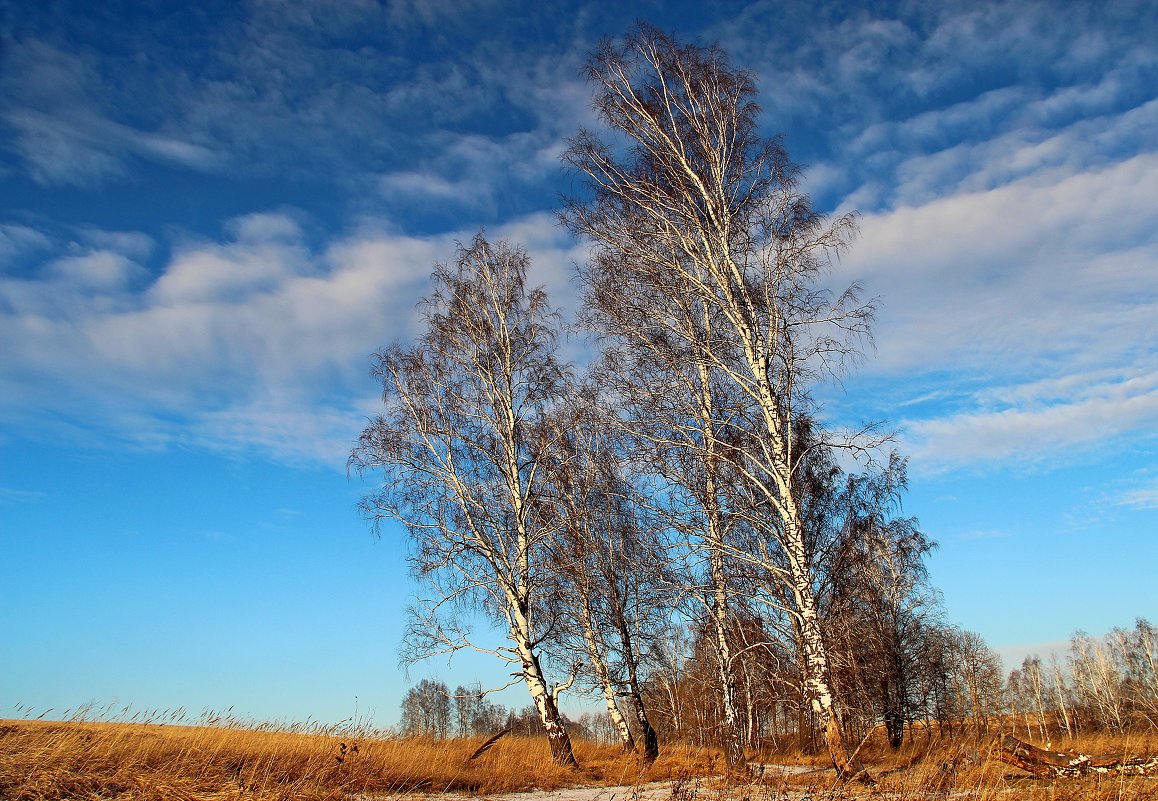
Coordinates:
[212,214]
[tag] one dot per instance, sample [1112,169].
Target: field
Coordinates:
[42,760]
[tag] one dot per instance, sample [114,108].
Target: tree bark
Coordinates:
[599,664]
[557,737]
[635,694]
[733,744]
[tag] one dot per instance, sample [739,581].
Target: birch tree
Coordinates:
[670,403]
[707,212]
[426,710]
[878,593]
[610,568]
[456,446]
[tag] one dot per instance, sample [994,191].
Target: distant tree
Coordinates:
[426,710]
[1115,678]
[1138,649]
[1098,682]
[976,677]
[474,715]
[1061,694]
[458,450]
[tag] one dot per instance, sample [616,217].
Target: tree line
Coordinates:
[673,527]
[1107,684]
[1103,684]
[432,709]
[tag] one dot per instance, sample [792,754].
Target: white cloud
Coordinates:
[256,342]
[267,251]
[417,188]
[11,495]
[57,104]
[1141,498]
[99,270]
[18,240]
[1051,267]
[1100,415]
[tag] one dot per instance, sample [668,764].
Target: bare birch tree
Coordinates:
[708,214]
[609,561]
[457,449]
[878,593]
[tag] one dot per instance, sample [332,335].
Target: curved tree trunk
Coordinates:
[635,694]
[599,665]
[816,680]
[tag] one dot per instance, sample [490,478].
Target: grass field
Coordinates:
[83,760]
[42,760]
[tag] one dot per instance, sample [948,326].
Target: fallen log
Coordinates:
[1055,764]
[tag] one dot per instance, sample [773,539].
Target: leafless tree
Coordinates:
[878,596]
[1137,649]
[670,404]
[1115,678]
[976,678]
[703,218]
[612,577]
[475,715]
[458,450]
[1098,681]
[1061,693]
[426,710]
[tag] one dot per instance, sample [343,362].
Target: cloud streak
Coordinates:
[254,342]
[1003,156]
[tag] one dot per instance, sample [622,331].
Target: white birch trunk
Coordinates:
[599,665]
[541,695]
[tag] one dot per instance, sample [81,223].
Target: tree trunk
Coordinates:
[1053,764]
[635,693]
[733,742]
[816,681]
[598,663]
[557,737]
[732,737]
[1059,690]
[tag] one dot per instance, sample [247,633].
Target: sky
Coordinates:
[212,214]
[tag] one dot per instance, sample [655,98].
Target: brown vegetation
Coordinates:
[967,767]
[41,760]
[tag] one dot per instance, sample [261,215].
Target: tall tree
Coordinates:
[706,214]
[457,446]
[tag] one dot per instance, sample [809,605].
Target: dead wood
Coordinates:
[1055,764]
[482,749]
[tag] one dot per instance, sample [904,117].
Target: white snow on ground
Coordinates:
[693,789]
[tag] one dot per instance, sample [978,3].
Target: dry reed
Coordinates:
[87,759]
[43,761]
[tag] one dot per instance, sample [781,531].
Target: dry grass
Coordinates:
[42,760]
[962,767]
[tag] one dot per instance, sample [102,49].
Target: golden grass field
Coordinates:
[43,760]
